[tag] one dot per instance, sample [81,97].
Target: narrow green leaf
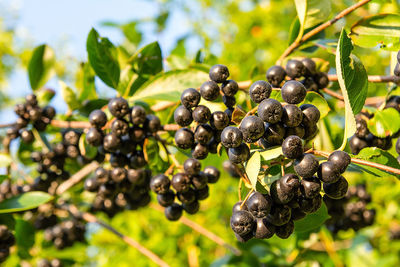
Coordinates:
[24,201]
[353,81]
[312,12]
[25,237]
[294,30]
[5,160]
[169,85]
[313,220]
[381,29]
[148,60]
[253,168]
[103,57]
[69,96]
[385,122]
[40,66]
[271,153]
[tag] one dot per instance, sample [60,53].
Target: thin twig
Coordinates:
[7,125]
[203,231]
[318,29]
[71,124]
[128,240]
[77,177]
[171,127]
[373,78]
[246,198]
[333,94]
[162,105]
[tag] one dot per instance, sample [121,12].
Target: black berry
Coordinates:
[328,172]
[118,107]
[340,159]
[209,90]
[252,128]
[219,120]
[219,73]
[230,88]
[295,69]
[239,154]
[270,110]
[231,137]
[184,138]
[98,118]
[293,92]
[201,114]
[190,98]
[306,166]
[259,91]
[275,75]
[138,115]
[292,115]
[292,147]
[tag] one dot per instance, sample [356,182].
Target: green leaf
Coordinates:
[353,81]
[4,177]
[5,160]
[312,12]
[130,81]
[169,85]
[25,237]
[40,66]
[85,82]
[294,30]
[152,155]
[382,30]
[45,95]
[385,122]
[103,56]
[7,219]
[271,153]
[24,201]
[131,32]
[148,60]
[318,101]
[69,96]
[313,220]
[253,168]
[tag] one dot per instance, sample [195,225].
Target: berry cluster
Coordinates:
[7,240]
[305,70]
[8,190]
[47,263]
[350,212]
[364,138]
[66,233]
[190,187]
[30,112]
[206,137]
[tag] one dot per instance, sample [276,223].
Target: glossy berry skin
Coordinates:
[284,189]
[71,138]
[98,118]
[118,174]
[237,207]
[270,110]
[310,132]
[264,229]
[199,181]
[293,92]
[190,98]
[231,137]
[311,114]
[118,107]
[328,172]
[292,115]
[259,91]
[259,205]
[160,184]
[203,193]
[27,136]
[321,79]
[212,174]
[173,212]
[279,215]
[338,189]
[180,182]
[137,134]
[310,187]
[239,154]
[295,68]
[340,159]
[203,134]
[242,222]
[191,208]
[201,114]
[152,123]
[252,128]
[299,131]
[184,138]
[275,75]
[219,120]
[94,137]
[187,197]
[200,151]
[292,147]
[111,142]
[166,199]
[219,73]
[310,66]
[230,88]
[192,166]
[209,90]
[137,176]
[306,166]
[284,231]
[229,102]
[361,127]
[274,133]
[120,127]
[138,115]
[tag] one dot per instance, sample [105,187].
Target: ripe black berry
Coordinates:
[340,159]
[184,138]
[279,215]
[264,229]
[49,112]
[102,175]
[311,114]
[199,181]
[191,208]
[259,205]
[201,114]
[91,184]
[231,137]
[284,231]
[293,92]
[212,174]
[160,184]
[119,174]
[284,189]
[295,68]
[274,133]
[337,189]
[209,90]
[310,132]
[275,75]
[192,166]
[187,197]
[299,131]
[270,110]
[239,154]
[138,115]
[202,193]
[292,147]
[20,109]
[242,222]
[31,100]
[310,187]
[118,107]
[328,172]
[229,102]
[292,115]
[219,120]
[361,127]
[173,212]
[203,134]
[321,79]
[259,91]
[98,118]
[166,199]
[94,137]
[306,166]
[180,182]
[137,176]
[152,123]
[237,207]
[200,151]
[230,88]
[136,134]
[120,127]
[27,136]
[219,73]
[310,66]
[111,142]
[71,138]
[252,128]
[190,98]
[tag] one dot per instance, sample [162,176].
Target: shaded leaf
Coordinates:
[318,101]
[313,220]
[253,168]
[90,105]
[40,67]
[69,96]
[25,237]
[148,60]
[26,201]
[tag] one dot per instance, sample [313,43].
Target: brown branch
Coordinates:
[318,29]
[171,127]
[203,231]
[359,161]
[71,124]
[77,177]
[88,217]
[333,94]
[373,78]
[162,105]
[7,125]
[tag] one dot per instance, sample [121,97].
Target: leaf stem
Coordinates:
[246,198]
[318,29]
